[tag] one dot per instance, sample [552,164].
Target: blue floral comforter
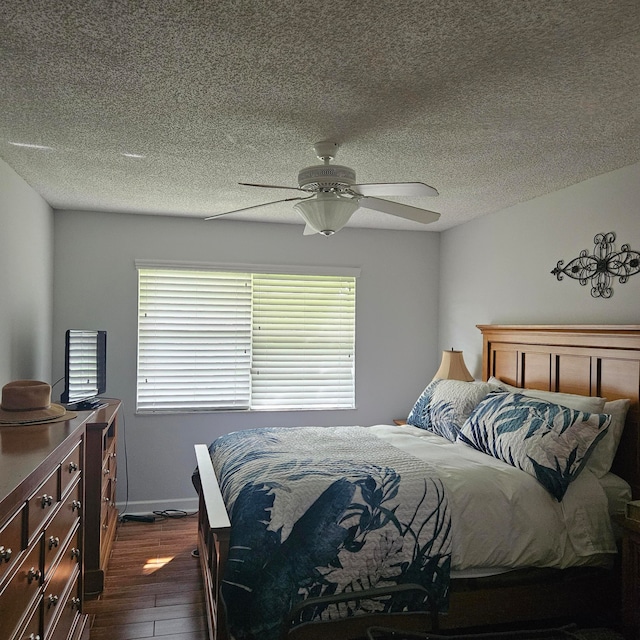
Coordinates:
[322,511]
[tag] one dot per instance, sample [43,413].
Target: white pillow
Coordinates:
[588,404]
[605,451]
[618,492]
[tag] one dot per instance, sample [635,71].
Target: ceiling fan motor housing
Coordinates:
[325,177]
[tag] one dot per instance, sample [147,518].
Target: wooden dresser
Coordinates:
[101,514]
[41,529]
[57,522]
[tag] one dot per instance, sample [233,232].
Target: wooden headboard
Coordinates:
[595,360]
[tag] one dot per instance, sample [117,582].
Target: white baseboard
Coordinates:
[148,507]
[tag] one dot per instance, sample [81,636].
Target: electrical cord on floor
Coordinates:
[157,515]
[173,513]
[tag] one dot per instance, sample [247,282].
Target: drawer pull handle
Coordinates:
[75,553]
[46,501]
[33,574]
[5,554]
[53,542]
[106,500]
[105,526]
[105,472]
[73,467]
[76,505]
[34,636]
[75,603]
[53,601]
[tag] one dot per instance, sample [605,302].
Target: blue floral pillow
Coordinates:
[444,406]
[548,441]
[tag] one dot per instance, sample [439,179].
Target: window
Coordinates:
[220,340]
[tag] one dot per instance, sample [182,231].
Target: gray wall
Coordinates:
[96,287]
[496,268]
[26,278]
[418,293]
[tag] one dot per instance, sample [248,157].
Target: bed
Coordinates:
[485,586]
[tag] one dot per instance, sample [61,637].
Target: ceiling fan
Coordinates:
[332,195]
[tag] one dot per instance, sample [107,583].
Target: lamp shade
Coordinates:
[452,367]
[327,213]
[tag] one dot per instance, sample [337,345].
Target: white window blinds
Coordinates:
[303,341]
[210,340]
[194,340]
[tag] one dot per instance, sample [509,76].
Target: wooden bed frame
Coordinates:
[597,360]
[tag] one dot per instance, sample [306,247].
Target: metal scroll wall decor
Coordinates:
[602,266]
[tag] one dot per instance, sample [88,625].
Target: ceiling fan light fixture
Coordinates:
[331,195]
[327,213]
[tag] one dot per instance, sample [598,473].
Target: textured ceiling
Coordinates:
[493,102]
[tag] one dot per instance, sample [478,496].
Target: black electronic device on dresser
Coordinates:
[85,369]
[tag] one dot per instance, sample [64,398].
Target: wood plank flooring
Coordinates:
[153,586]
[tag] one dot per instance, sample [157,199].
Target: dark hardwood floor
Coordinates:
[153,586]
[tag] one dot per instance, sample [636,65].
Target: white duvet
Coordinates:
[503,518]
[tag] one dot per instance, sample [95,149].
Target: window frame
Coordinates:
[144,408]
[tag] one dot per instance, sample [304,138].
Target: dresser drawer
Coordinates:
[57,587]
[10,542]
[31,629]
[61,525]
[108,527]
[42,504]
[70,469]
[21,590]
[69,610]
[108,500]
[108,469]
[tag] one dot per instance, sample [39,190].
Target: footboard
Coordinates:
[213,541]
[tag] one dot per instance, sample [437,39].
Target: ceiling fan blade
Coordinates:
[413,189]
[255,206]
[268,186]
[400,210]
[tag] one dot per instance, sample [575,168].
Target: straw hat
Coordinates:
[27,402]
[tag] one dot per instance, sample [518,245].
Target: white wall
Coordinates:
[26,278]
[496,268]
[96,287]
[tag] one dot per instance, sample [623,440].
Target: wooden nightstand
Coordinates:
[630,577]
[399,422]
